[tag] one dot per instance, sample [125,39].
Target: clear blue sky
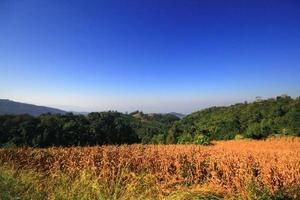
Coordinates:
[152,55]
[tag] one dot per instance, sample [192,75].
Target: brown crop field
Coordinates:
[239,169]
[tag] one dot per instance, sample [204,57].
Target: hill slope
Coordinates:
[15,108]
[163,118]
[280,115]
[179,115]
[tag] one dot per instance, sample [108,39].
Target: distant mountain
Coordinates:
[179,115]
[15,108]
[79,113]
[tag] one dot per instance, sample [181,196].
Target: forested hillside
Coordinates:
[93,129]
[257,120]
[153,128]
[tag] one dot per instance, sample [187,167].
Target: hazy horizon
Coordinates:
[155,56]
[182,108]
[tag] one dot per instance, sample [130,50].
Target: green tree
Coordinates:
[185,138]
[201,139]
[295,120]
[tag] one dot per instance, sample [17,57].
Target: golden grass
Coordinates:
[227,167]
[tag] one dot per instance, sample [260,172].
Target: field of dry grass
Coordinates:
[242,169]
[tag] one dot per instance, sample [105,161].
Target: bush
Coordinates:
[255,131]
[202,139]
[185,138]
[239,137]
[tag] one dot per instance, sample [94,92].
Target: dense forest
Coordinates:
[94,129]
[260,119]
[257,120]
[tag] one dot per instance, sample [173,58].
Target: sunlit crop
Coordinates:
[229,167]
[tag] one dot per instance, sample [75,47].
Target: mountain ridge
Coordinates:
[10,107]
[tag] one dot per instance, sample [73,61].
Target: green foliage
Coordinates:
[26,184]
[239,137]
[295,120]
[254,131]
[32,185]
[202,139]
[256,192]
[14,185]
[67,130]
[185,138]
[158,139]
[257,120]
[190,195]
[94,129]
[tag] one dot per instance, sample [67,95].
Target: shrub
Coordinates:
[239,137]
[185,138]
[202,139]
[254,131]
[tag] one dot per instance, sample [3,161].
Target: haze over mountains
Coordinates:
[179,115]
[15,108]
[273,117]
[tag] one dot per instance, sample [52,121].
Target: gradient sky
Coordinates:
[151,55]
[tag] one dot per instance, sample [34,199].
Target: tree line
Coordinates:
[257,120]
[98,128]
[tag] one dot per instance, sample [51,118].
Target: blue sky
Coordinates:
[151,55]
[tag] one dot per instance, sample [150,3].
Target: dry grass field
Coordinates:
[242,169]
